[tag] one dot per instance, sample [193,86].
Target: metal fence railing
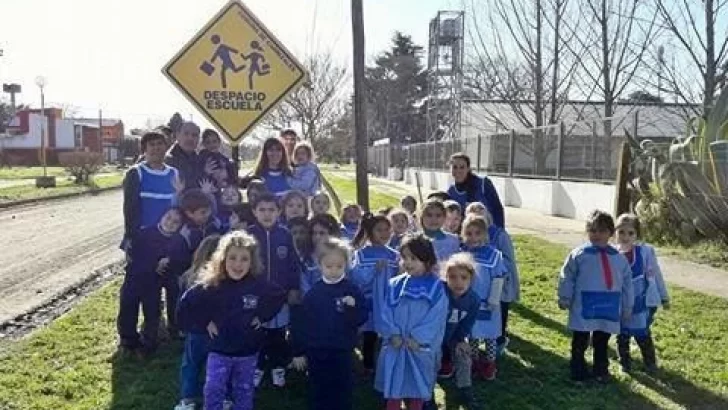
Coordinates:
[582,151]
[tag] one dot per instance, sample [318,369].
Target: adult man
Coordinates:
[183,155]
[289,138]
[149,187]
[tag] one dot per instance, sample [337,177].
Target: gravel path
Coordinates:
[49,247]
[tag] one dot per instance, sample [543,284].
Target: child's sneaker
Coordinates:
[185,404]
[279,377]
[489,371]
[446,370]
[258,377]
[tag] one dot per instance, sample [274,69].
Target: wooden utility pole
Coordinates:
[622,202]
[360,118]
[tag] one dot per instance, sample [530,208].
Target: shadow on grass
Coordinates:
[668,383]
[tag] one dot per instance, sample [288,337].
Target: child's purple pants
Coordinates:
[239,372]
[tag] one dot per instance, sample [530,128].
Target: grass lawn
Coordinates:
[30,172]
[64,185]
[72,365]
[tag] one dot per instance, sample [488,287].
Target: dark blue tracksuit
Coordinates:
[181,260]
[281,266]
[328,334]
[232,305]
[141,286]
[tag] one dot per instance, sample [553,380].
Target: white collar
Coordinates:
[333,282]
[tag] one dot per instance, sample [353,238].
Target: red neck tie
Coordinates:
[606,269]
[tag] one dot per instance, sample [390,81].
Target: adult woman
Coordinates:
[274,167]
[469,187]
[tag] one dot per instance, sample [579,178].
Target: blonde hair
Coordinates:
[303,145]
[334,245]
[475,221]
[215,271]
[460,260]
[202,256]
[630,220]
[475,207]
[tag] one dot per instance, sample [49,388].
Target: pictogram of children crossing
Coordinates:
[226,54]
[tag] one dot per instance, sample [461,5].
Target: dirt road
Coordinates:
[49,246]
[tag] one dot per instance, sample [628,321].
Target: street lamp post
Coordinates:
[40,81]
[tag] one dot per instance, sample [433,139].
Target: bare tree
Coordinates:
[702,43]
[519,57]
[318,105]
[612,47]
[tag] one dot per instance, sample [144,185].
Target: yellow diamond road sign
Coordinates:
[235,71]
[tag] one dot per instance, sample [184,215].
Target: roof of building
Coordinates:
[106,122]
[653,120]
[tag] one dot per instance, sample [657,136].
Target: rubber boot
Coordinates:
[624,355]
[647,347]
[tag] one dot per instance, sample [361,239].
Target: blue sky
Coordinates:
[108,54]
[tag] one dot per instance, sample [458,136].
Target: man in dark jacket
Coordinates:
[183,155]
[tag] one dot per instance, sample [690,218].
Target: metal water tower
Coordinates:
[445,75]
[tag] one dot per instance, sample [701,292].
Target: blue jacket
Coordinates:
[232,306]
[150,246]
[461,315]
[477,189]
[278,255]
[349,230]
[192,236]
[275,181]
[306,178]
[326,322]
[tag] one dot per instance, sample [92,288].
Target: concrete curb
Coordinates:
[12,204]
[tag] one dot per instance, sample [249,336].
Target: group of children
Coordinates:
[278,283]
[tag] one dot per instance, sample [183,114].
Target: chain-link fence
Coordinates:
[582,151]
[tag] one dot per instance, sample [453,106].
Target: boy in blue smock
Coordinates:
[595,285]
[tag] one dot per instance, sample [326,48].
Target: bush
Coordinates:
[81,165]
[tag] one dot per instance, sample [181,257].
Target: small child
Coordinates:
[464,303]
[294,204]
[409,204]
[372,258]
[441,196]
[488,285]
[306,174]
[322,227]
[218,167]
[453,217]
[281,266]
[231,303]
[229,198]
[196,339]
[411,311]
[501,240]
[241,217]
[149,258]
[320,204]
[350,220]
[256,188]
[432,220]
[333,310]
[649,290]
[400,226]
[595,285]
[301,234]
[198,223]
[477,209]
